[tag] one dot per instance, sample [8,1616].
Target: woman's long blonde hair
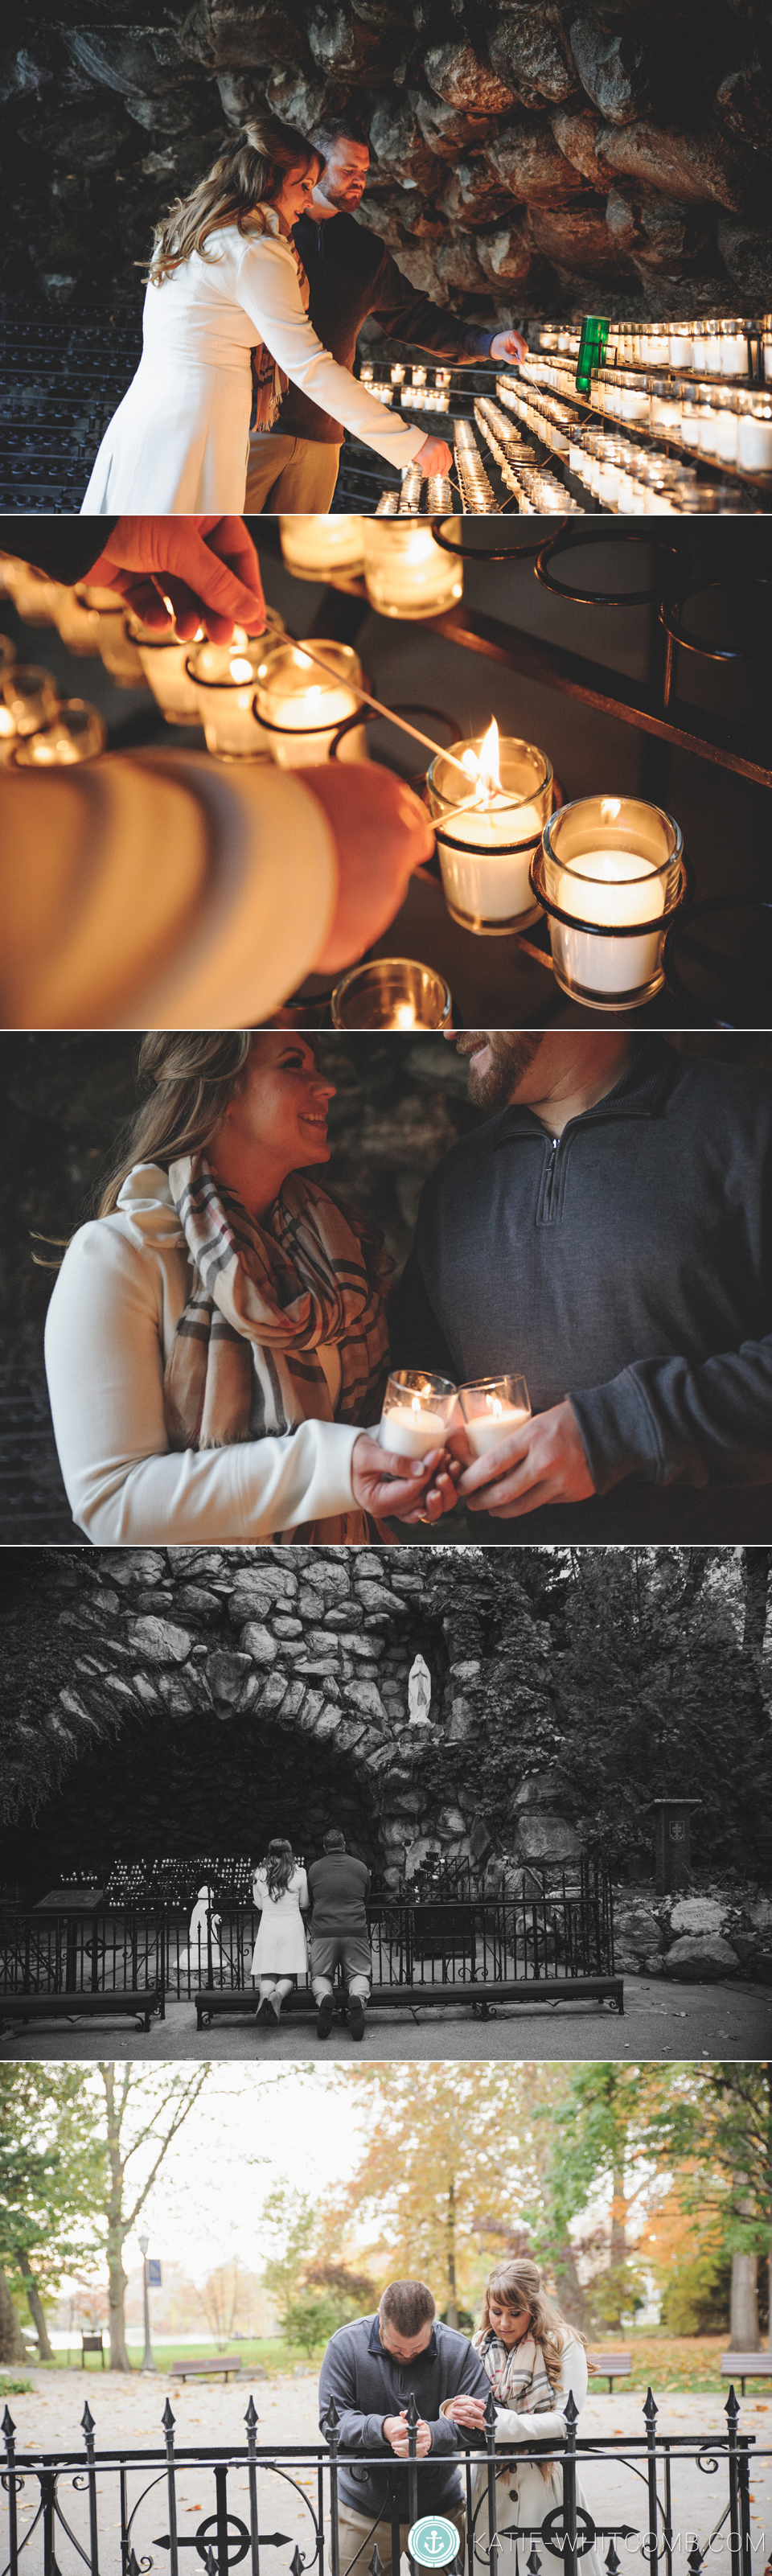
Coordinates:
[194,1075]
[249,172]
[518,2284]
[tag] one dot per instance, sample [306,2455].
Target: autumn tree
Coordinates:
[51,2178]
[144,2113]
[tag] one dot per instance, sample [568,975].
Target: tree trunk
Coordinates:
[571,2298]
[35,2305]
[451,2235]
[755,1578]
[616,2293]
[744,2335]
[12,2345]
[116,2232]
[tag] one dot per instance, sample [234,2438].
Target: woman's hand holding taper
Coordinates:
[542,1462]
[405,1489]
[207,568]
[381,834]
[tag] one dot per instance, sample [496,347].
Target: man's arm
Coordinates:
[670,1423]
[357,2432]
[406,315]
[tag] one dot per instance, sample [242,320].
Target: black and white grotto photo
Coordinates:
[482,1802]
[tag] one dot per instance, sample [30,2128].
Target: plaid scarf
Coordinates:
[518,2377]
[264,1298]
[269,385]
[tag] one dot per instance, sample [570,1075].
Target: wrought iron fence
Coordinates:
[108,2494]
[558,1926]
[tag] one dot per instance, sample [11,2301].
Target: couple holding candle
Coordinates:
[218,1345]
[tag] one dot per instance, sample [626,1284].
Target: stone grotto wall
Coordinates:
[532,156]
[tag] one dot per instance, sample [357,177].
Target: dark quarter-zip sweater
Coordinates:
[628,1265]
[351,274]
[368,2383]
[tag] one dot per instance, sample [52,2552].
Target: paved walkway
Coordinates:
[127,2413]
[660,2020]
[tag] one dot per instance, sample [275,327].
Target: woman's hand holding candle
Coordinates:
[205,569]
[381,834]
[401,1488]
[543,1461]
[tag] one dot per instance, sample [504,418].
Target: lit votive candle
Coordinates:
[34,596]
[225,679]
[406,573]
[397,374]
[490,800]
[76,732]
[301,709]
[416,1411]
[28,700]
[317,547]
[81,613]
[164,661]
[609,863]
[492,1406]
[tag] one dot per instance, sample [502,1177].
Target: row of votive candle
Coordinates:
[419,1409]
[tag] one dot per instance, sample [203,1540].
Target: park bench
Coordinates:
[611,2366]
[213,2000]
[746,2365]
[91,2343]
[223,2365]
[138,2001]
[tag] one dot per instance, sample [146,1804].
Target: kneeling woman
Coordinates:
[216,1338]
[280,1889]
[534,2360]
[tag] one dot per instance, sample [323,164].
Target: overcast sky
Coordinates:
[253,2128]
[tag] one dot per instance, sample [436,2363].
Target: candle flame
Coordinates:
[610,808]
[240,670]
[495,1406]
[488,764]
[404,1016]
[239,635]
[415,1404]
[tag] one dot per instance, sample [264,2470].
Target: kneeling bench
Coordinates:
[746,2365]
[138,2001]
[211,2000]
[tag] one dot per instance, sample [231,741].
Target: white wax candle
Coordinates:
[410,1431]
[319,544]
[293,748]
[164,667]
[614,886]
[229,724]
[494,885]
[413,577]
[754,443]
[734,354]
[680,349]
[487,1430]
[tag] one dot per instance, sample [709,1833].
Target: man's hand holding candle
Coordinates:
[403,1489]
[508,348]
[543,1461]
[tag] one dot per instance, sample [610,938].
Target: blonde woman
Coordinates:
[280,1956]
[534,2360]
[227,296]
[216,1342]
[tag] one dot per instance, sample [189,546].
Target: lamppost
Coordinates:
[147,2362]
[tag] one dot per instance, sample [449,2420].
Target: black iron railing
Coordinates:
[559,1926]
[115,2498]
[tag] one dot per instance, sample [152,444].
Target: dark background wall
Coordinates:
[64,1101]
[528,157]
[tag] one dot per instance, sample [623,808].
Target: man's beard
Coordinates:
[344,198]
[510,1053]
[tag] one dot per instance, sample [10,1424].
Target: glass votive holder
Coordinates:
[300,709]
[491,1407]
[397,374]
[391,993]
[754,434]
[417,1407]
[28,699]
[224,678]
[486,838]
[80,614]
[118,649]
[76,732]
[407,574]
[734,348]
[418,375]
[34,595]
[366,372]
[163,660]
[609,876]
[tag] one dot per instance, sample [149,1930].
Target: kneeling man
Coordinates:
[371,2368]
[340,1934]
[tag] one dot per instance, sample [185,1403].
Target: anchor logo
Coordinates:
[433,2542]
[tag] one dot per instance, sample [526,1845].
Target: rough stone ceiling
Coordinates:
[534,156]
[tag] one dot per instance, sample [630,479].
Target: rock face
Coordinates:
[214,1696]
[109,114]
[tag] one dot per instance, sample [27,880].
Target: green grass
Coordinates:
[16,2387]
[669,2362]
[273,2352]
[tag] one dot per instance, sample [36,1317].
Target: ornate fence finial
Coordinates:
[696,2556]
[87,2421]
[490,2416]
[9,2427]
[533,2563]
[296,2563]
[651,2409]
[376,2562]
[732,2409]
[251,2417]
[330,2423]
[570,2410]
[612,2562]
[412,2414]
[168,2419]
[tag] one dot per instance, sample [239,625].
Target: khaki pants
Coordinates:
[290,473]
[357,2539]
